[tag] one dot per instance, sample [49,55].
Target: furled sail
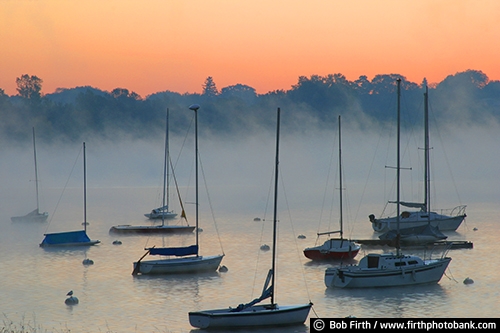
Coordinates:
[174,251]
[420,205]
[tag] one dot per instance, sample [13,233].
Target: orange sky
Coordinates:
[149,46]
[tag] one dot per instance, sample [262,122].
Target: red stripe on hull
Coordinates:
[319,255]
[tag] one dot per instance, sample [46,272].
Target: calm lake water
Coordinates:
[34,281]
[123,181]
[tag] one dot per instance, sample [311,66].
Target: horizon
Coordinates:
[154,46]
[61,89]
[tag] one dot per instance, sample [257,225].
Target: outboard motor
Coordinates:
[372,218]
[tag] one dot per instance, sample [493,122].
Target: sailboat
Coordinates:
[188,258]
[252,314]
[424,216]
[73,238]
[388,269]
[163,212]
[334,248]
[35,215]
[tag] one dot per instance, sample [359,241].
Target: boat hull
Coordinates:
[39,217]
[196,264]
[160,229]
[355,277]
[319,255]
[442,222]
[91,243]
[261,315]
[333,249]
[68,238]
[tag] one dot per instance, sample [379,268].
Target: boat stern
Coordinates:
[199,319]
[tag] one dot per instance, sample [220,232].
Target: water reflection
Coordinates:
[176,286]
[330,263]
[398,302]
[285,329]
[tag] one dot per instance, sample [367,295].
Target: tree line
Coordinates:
[314,102]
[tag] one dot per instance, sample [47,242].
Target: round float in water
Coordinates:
[265,247]
[88,261]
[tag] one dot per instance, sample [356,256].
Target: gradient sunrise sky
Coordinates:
[149,46]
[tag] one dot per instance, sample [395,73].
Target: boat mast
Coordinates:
[398,167]
[36,172]
[427,200]
[275,220]
[340,183]
[195,108]
[167,149]
[165,173]
[196,166]
[84,190]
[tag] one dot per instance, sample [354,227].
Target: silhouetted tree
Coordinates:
[314,102]
[386,83]
[209,87]
[461,94]
[3,95]
[4,100]
[121,92]
[241,91]
[30,87]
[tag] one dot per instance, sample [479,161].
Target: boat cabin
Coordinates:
[388,261]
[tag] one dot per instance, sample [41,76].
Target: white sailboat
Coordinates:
[424,216]
[251,314]
[188,259]
[73,238]
[35,215]
[388,270]
[163,212]
[334,248]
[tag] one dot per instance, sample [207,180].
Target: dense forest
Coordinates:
[73,114]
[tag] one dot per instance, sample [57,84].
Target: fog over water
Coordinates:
[124,180]
[238,171]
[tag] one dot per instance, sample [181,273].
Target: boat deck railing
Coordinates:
[457,211]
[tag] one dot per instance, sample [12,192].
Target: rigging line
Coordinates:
[297,252]
[368,176]
[314,310]
[334,199]
[64,188]
[183,212]
[263,224]
[412,137]
[403,154]
[421,161]
[269,191]
[186,190]
[411,124]
[270,188]
[347,206]
[184,141]
[258,259]
[389,148]
[445,156]
[173,165]
[210,201]
[327,183]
